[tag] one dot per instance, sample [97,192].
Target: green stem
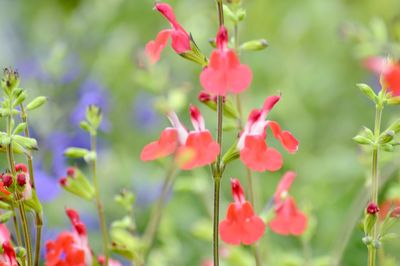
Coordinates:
[375,181]
[217,184]
[99,206]
[151,230]
[38,216]
[15,222]
[17,196]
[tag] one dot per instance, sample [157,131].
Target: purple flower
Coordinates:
[144,114]
[91,92]
[47,186]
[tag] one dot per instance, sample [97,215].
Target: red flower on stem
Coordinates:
[193,149]
[254,152]
[390,72]
[224,72]
[288,220]
[70,248]
[241,224]
[180,38]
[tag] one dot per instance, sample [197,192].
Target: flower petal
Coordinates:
[258,157]
[288,141]
[155,47]
[165,146]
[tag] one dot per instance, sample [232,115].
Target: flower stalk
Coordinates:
[99,205]
[375,180]
[38,215]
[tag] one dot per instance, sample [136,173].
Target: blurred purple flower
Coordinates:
[147,193]
[47,186]
[92,92]
[31,69]
[144,115]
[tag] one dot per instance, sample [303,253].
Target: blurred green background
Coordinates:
[77,51]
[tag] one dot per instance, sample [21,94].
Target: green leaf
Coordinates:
[368,92]
[20,127]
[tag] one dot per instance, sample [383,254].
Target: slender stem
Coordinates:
[151,229]
[38,216]
[99,206]
[217,185]
[15,222]
[375,181]
[17,196]
[220,12]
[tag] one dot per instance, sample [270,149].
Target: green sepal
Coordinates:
[254,45]
[126,199]
[386,137]
[20,127]
[27,143]
[393,100]
[369,222]
[368,91]
[74,152]
[195,55]
[80,186]
[363,140]
[20,98]
[36,103]
[5,216]
[94,116]
[231,154]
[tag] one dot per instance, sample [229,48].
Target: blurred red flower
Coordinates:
[390,72]
[70,248]
[288,220]
[241,224]
[388,205]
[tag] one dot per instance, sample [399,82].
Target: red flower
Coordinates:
[388,205]
[254,152]
[70,248]
[288,220]
[8,257]
[3,189]
[390,72]
[180,38]
[193,149]
[225,73]
[241,224]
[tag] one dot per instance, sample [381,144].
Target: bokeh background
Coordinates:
[80,52]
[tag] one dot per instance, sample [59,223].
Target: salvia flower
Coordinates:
[241,225]
[180,38]
[70,248]
[254,152]
[224,72]
[288,220]
[388,205]
[8,256]
[389,71]
[193,149]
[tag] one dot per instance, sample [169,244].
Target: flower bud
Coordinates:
[7,180]
[367,91]
[386,136]
[372,208]
[21,168]
[71,172]
[36,103]
[255,45]
[10,80]
[21,179]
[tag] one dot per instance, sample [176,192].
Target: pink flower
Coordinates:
[254,152]
[70,248]
[193,149]
[180,38]
[225,73]
[288,220]
[102,260]
[8,257]
[241,224]
[390,72]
